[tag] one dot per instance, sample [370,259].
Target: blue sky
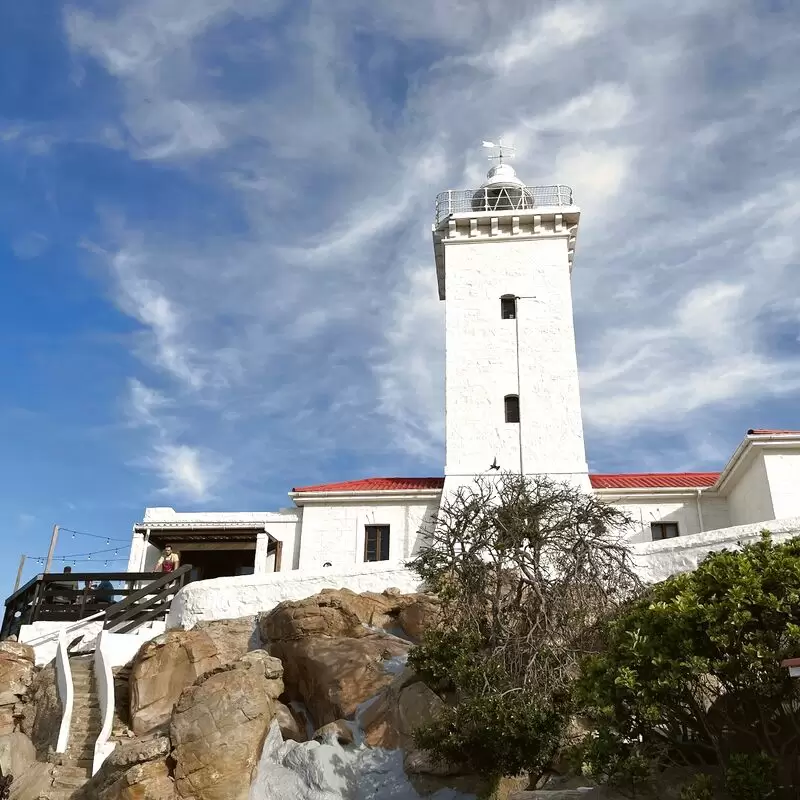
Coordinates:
[217,275]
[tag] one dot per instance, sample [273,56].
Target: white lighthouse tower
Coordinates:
[503,261]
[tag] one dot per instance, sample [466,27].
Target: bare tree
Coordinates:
[531,566]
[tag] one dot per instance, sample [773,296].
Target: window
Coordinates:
[508,307]
[664,530]
[511,402]
[376,543]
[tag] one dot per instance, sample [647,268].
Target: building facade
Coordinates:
[504,254]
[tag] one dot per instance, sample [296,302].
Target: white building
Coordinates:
[503,257]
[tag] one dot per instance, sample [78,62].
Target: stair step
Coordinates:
[70,771]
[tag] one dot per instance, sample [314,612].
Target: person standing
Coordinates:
[169,561]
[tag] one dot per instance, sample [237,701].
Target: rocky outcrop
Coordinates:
[16,675]
[219,725]
[335,648]
[166,665]
[291,726]
[419,616]
[334,676]
[341,612]
[42,715]
[135,770]
[407,703]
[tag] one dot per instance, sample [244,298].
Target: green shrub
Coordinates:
[750,776]
[692,671]
[700,788]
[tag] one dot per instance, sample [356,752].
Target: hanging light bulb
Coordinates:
[108,541]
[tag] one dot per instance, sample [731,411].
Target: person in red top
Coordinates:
[169,561]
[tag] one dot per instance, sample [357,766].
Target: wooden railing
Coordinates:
[65,597]
[146,604]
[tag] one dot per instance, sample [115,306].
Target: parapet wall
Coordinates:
[244,595]
[228,598]
[658,560]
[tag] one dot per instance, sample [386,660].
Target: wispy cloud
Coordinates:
[289,318]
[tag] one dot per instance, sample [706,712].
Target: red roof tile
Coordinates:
[655,480]
[642,480]
[769,432]
[375,485]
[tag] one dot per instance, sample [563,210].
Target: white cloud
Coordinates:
[305,327]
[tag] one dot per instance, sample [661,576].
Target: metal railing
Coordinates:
[500,198]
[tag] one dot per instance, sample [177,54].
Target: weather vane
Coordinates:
[504,149]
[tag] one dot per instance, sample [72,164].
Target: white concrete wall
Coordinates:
[783,474]
[335,532]
[682,509]
[749,499]
[228,598]
[284,526]
[481,357]
[658,560]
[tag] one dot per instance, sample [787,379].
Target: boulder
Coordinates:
[341,612]
[419,617]
[407,703]
[166,665]
[135,770]
[333,676]
[41,718]
[17,753]
[218,728]
[291,727]
[234,637]
[17,667]
[339,730]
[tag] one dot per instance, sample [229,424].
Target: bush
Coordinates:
[691,673]
[750,776]
[525,570]
[701,788]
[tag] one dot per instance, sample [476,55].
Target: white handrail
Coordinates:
[45,637]
[65,691]
[104,682]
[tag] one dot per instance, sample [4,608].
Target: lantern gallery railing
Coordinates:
[500,198]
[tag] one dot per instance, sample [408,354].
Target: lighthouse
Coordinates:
[504,253]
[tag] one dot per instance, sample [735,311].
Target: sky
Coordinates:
[216,271]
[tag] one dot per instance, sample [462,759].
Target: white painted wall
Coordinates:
[228,598]
[334,532]
[481,355]
[783,474]
[682,509]
[658,560]
[283,526]
[749,499]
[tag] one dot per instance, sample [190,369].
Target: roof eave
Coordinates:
[660,491]
[307,498]
[750,441]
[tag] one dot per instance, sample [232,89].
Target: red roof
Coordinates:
[641,480]
[655,480]
[768,432]
[375,485]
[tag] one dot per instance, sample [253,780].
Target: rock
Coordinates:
[419,617]
[234,637]
[166,665]
[135,770]
[291,727]
[404,705]
[33,783]
[339,730]
[333,613]
[332,676]
[16,671]
[41,718]
[219,725]
[17,753]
